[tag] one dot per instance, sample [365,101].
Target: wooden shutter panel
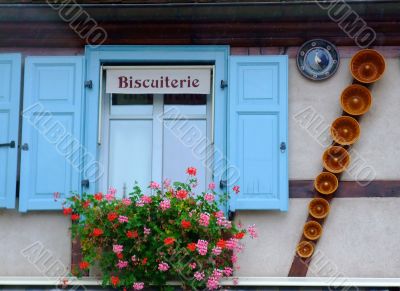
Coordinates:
[258,120]
[10,84]
[52,130]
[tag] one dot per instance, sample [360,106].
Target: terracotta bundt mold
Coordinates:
[318,208]
[312,230]
[335,159]
[367,66]
[356,100]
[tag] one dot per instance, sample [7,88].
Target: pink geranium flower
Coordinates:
[231,243]
[219,214]
[211,186]
[122,219]
[163,267]
[222,221]
[111,194]
[165,204]
[154,185]
[118,249]
[167,183]
[213,280]
[199,276]
[146,230]
[252,231]
[122,264]
[209,197]
[204,219]
[146,199]
[216,251]
[126,201]
[138,285]
[202,247]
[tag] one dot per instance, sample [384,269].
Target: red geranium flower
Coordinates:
[239,235]
[191,171]
[186,224]
[67,211]
[144,261]
[169,241]
[181,194]
[120,256]
[86,204]
[98,196]
[97,232]
[191,247]
[129,234]
[74,216]
[112,216]
[221,243]
[84,265]
[114,280]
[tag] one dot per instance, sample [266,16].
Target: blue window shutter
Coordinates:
[258,120]
[10,84]
[52,130]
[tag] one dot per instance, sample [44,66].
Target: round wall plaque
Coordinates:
[317,59]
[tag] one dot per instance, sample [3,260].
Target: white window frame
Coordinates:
[158,130]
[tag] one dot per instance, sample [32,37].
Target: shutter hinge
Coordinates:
[85,183]
[10,144]
[282,147]
[89,84]
[223,184]
[231,215]
[224,84]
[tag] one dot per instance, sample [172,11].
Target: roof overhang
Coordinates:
[222,11]
[237,23]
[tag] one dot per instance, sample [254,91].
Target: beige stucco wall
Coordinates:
[360,239]
[360,234]
[34,244]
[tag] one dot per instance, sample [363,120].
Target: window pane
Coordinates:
[132,99]
[131,104]
[130,154]
[185,99]
[185,103]
[192,149]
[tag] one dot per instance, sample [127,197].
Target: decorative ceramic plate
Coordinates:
[317,59]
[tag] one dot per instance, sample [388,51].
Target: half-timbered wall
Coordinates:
[360,234]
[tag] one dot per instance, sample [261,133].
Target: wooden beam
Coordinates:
[245,34]
[348,189]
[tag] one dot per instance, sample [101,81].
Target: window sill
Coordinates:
[242,281]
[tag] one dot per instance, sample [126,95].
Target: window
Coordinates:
[152,137]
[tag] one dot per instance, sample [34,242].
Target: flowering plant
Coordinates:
[149,239]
